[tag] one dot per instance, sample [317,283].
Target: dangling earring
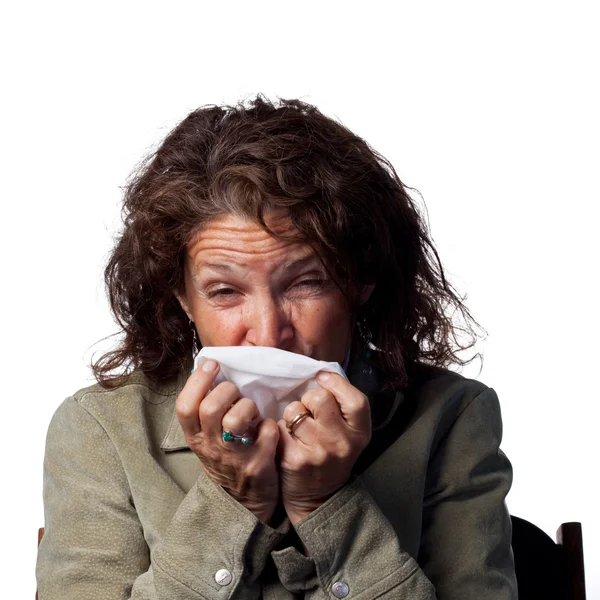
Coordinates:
[366,336]
[195,341]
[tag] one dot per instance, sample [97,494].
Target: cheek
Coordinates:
[324,323]
[220,328]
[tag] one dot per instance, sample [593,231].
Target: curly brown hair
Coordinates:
[345,200]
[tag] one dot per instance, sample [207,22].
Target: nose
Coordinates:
[268,323]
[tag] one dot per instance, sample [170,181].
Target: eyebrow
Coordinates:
[215,266]
[288,265]
[300,262]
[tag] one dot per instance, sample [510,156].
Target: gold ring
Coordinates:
[291,425]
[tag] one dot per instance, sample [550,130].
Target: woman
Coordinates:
[272,225]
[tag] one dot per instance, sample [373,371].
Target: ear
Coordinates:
[365,294]
[184,305]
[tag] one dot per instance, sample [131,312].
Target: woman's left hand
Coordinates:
[318,460]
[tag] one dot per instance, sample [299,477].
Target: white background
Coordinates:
[490,110]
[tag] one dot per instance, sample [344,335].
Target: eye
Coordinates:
[310,283]
[221,292]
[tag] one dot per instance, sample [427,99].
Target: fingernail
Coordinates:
[323,376]
[209,365]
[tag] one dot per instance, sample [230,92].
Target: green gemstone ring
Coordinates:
[231,437]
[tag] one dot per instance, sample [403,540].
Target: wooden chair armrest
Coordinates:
[570,538]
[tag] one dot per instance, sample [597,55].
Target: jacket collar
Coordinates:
[175,438]
[362,372]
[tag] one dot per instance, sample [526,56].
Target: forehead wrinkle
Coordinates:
[225,259]
[221,226]
[227,244]
[235,242]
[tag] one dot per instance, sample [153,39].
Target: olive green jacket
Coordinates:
[129,512]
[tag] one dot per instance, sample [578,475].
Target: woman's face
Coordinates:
[245,288]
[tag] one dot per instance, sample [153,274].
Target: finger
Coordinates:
[267,438]
[214,407]
[324,407]
[238,418]
[354,405]
[304,427]
[292,410]
[285,440]
[192,394]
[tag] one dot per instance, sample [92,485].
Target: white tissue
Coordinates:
[271,377]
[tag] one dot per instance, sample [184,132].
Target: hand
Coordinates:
[247,473]
[318,461]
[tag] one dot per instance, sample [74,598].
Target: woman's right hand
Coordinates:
[248,473]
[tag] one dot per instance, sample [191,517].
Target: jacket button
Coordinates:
[340,589]
[223,577]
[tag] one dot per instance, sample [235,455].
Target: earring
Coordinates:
[366,336]
[195,341]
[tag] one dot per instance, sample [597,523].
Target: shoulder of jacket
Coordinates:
[444,394]
[438,379]
[137,385]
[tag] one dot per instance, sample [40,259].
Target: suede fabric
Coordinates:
[130,514]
